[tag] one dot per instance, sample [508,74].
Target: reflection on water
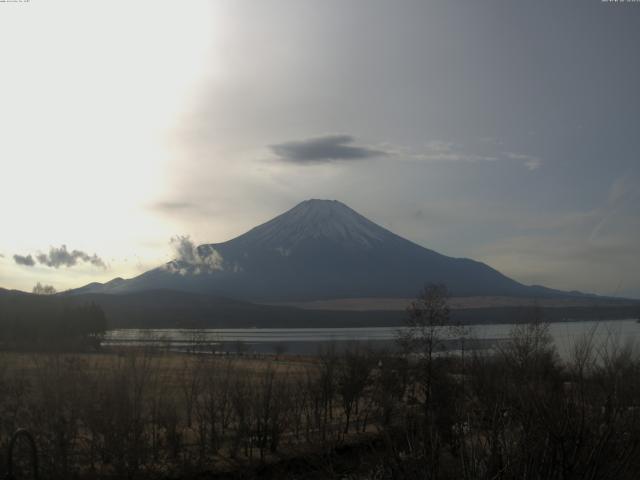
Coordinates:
[306,340]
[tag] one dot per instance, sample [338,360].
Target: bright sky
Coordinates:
[91,93]
[502,131]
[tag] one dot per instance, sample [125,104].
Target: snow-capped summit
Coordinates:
[315,219]
[320,249]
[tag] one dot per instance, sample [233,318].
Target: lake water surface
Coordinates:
[309,340]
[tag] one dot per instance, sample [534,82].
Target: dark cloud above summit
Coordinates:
[326,148]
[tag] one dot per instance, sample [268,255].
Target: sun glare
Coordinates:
[90,93]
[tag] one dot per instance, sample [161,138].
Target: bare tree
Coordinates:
[354,372]
[427,318]
[40,289]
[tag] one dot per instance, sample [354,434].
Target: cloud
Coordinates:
[329,148]
[186,251]
[200,205]
[441,151]
[438,150]
[623,194]
[324,149]
[173,206]
[448,152]
[529,161]
[27,261]
[61,257]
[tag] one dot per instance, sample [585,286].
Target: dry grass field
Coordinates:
[133,412]
[143,413]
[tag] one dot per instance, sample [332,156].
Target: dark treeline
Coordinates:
[175,309]
[44,322]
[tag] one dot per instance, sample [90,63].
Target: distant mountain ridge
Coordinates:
[180,309]
[320,249]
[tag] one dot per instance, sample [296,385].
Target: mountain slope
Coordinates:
[320,249]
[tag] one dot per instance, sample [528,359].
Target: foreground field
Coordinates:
[517,413]
[150,413]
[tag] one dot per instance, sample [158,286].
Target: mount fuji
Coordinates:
[320,249]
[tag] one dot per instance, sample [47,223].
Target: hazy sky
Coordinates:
[504,131]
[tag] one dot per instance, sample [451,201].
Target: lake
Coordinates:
[307,341]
